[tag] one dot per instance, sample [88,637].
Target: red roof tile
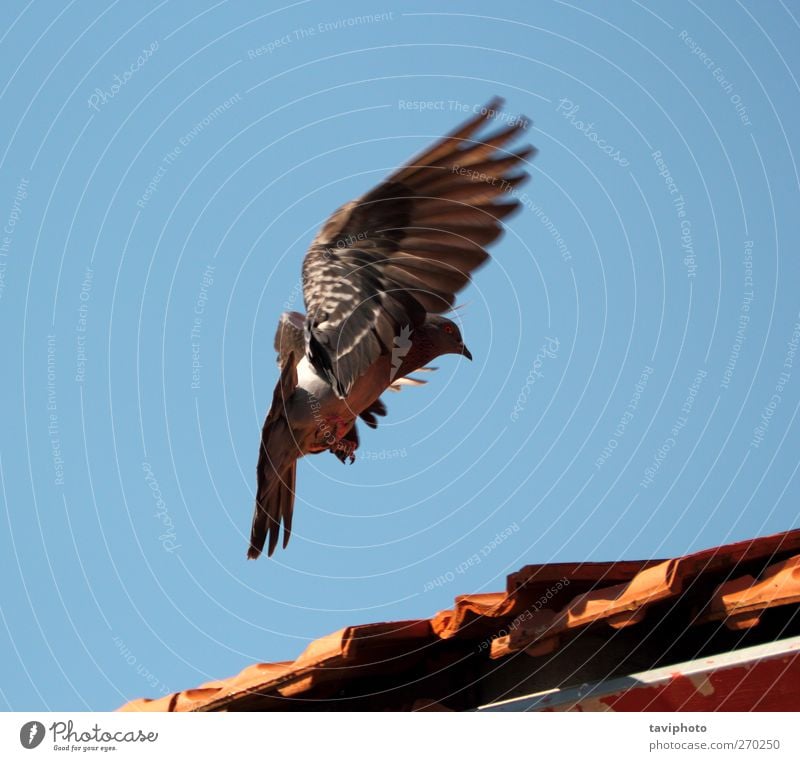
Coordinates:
[542,604]
[741,601]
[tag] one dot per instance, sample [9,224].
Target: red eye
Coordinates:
[448,329]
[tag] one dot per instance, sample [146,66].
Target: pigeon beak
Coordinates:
[465,352]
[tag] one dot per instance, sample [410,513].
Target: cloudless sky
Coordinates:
[163,167]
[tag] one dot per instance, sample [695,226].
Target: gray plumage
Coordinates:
[376,279]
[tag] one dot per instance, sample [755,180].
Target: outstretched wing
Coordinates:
[407,247]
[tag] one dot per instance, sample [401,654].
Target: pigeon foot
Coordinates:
[345,449]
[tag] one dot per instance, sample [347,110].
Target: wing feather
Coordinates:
[289,337]
[407,247]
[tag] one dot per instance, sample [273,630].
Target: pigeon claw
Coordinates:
[345,449]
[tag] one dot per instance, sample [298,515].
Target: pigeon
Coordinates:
[377,280]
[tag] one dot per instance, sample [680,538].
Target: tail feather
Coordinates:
[276,506]
[276,469]
[288,511]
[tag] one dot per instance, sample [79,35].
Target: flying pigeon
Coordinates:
[377,279]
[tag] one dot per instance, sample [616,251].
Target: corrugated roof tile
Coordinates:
[741,601]
[541,605]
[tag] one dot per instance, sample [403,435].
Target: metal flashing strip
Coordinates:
[696,675]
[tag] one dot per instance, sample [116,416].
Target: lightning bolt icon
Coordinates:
[402,344]
[33,733]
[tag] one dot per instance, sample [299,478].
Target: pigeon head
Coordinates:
[446,336]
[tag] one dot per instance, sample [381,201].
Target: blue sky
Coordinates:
[635,385]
